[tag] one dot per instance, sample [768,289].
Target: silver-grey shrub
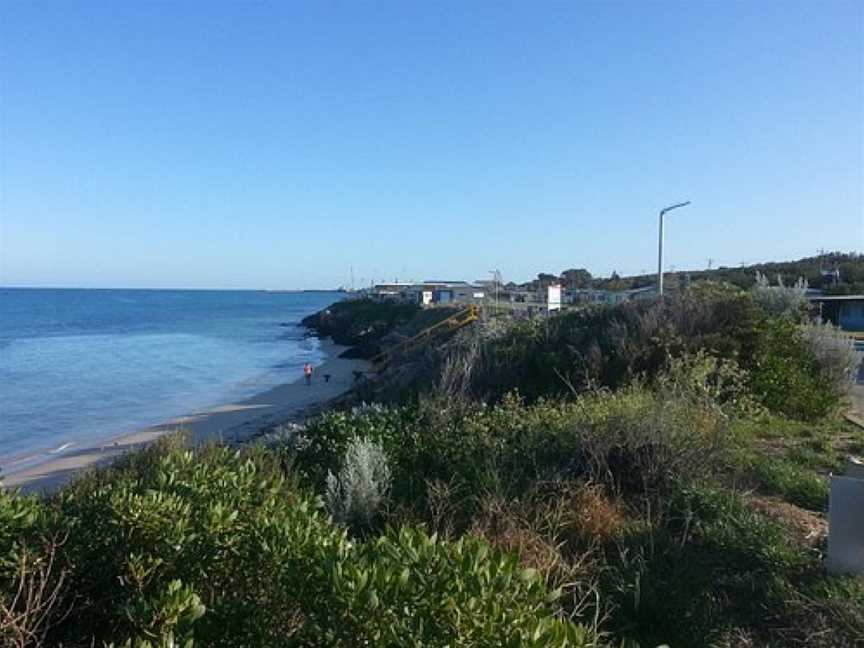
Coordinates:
[780,299]
[356,494]
[288,435]
[834,352]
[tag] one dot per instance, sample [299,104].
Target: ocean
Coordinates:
[79,366]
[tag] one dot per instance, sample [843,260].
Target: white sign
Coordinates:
[553,298]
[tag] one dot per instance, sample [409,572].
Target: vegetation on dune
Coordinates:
[767,353]
[810,269]
[633,476]
[221,546]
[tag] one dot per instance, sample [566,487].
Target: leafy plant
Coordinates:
[409,589]
[786,374]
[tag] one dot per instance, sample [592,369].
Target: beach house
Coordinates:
[594,296]
[453,292]
[845,311]
[429,293]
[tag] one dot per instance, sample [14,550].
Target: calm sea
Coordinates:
[85,365]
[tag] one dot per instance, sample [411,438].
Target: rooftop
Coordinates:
[835,297]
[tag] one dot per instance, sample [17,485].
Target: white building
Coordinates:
[553,297]
[594,296]
[429,292]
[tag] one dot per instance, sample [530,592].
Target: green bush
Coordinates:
[319,449]
[219,548]
[799,371]
[785,373]
[22,522]
[612,346]
[32,591]
[634,441]
[153,542]
[409,589]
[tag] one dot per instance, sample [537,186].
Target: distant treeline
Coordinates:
[814,269]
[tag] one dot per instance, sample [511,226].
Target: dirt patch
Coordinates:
[807,527]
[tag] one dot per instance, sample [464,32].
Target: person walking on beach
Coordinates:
[307,371]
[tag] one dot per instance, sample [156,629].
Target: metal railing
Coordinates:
[467,315]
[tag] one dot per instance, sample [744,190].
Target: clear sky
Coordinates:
[278,144]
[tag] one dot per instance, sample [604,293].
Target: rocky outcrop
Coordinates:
[361,324]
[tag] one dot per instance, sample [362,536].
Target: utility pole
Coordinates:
[496,279]
[660,246]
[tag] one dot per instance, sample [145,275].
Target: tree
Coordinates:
[576,278]
[615,282]
[544,279]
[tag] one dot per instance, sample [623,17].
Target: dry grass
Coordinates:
[808,528]
[591,516]
[560,531]
[444,507]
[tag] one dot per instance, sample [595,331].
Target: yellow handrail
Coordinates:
[456,321]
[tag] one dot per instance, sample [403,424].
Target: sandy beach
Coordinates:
[229,423]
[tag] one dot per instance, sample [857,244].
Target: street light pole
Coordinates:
[660,250]
[496,279]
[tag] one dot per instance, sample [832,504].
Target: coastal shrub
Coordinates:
[319,449]
[786,375]
[501,449]
[633,441]
[630,440]
[641,442]
[22,520]
[356,495]
[715,382]
[762,353]
[834,352]
[613,345]
[781,300]
[216,547]
[223,524]
[166,618]
[407,588]
[33,588]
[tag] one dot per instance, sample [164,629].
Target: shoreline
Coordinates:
[236,422]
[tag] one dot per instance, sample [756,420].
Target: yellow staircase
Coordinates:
[456,321]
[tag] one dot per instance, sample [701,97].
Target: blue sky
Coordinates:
[276,145]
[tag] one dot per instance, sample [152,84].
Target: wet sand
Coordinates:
[227,423]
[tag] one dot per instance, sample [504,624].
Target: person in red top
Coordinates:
[307,371]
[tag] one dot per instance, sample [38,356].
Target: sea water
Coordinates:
[79,366]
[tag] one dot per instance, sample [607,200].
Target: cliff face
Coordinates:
[369,327]
[360,324]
